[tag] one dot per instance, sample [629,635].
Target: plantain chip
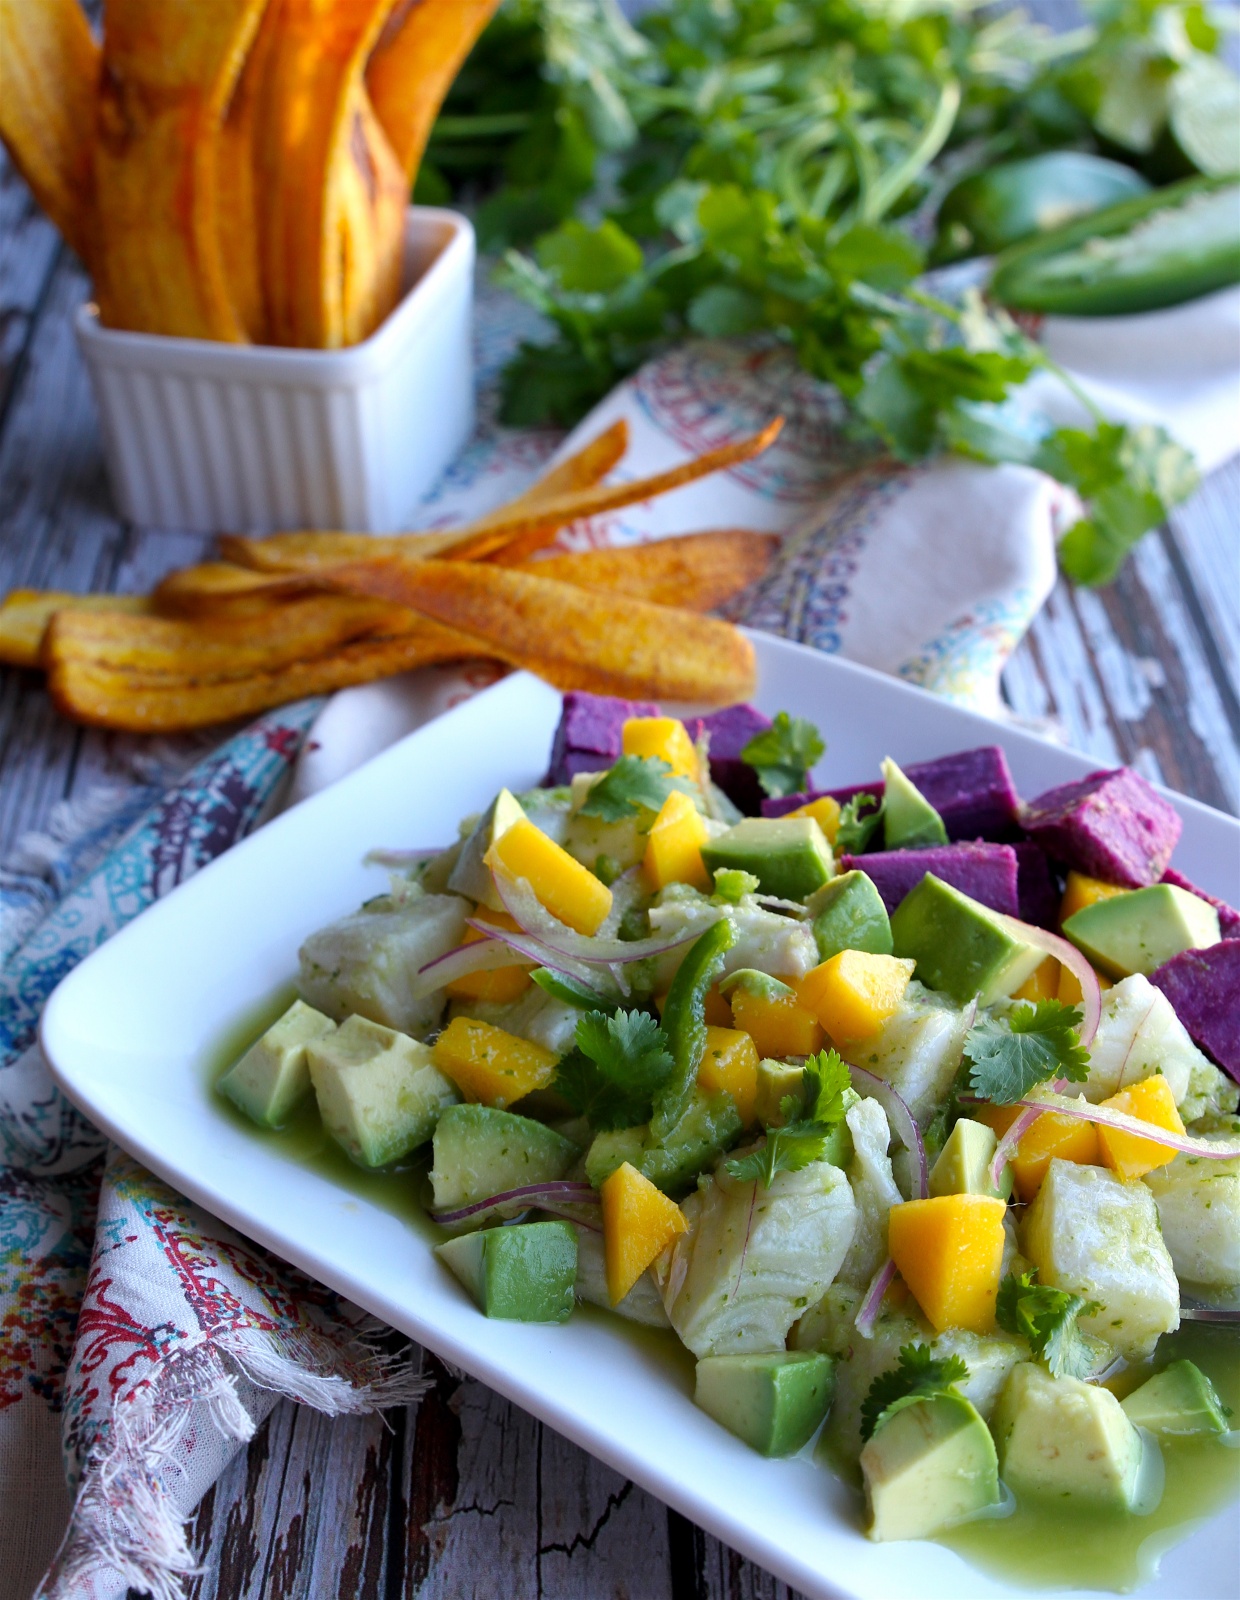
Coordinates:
[574,639]
[216,588]
[697,570]
[25,614]
[169,68]
[367,202]
[419,53]
[49,84]
[239,208]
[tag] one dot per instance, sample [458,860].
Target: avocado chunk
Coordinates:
[789,856]
[849,914]
[777,1082]
[379,1091]
[930,1465]
[481,1151]
[1139,930]
[523,1273]
[272,1078]
[1178,1400]
[960,946]
[1059,1438]
[909,820]
[963,1166]
[773,1402]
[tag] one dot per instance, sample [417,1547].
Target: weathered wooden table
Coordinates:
[464,1495]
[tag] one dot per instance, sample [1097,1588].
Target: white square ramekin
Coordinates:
[226,437]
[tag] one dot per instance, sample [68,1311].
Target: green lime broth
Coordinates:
[1036,1547]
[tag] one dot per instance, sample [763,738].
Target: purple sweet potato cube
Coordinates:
[1035,888]
[1228,916]
[1204,988]
[588,737]
[1110,825]
[729,731]
[985,872]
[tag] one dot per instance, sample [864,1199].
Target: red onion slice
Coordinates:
[1069,956]
[483,955]
[1082,1111]
[903,1122]
[867,1314]
[546,1196]
[528,911]
[539,954]
[1006,1147]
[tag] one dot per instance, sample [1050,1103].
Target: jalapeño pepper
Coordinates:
[684,1020]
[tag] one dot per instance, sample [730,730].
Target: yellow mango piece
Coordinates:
[949,1251]
[1127,1155]
[664,737]
[1042,984]
[1070,990]
[638,1222]
[730,1062]
[500,984]
[718,1012]
[563,885]
[825,812]
[674,843]
[1080,891]
[854,993]
[778,1027]
[1050,1138]
[489,1065]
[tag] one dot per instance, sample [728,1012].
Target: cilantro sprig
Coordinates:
[635,783]
[783,754]
[1046,1319]
[618,1066]
[1036,1042]
[919,1376]
[809,1123]
[854,831]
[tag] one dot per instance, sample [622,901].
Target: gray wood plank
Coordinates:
[29,246]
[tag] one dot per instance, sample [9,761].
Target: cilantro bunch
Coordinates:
[809,1123]
[920,1375]
[1036,1042]
[783,754]
[618,1065]
[1047,1319]
[634,783]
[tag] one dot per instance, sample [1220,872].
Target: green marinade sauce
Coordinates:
[1038,1547]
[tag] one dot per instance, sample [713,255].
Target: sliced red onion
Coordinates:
[539,954]
[903,1122]
[1082,1111]
[1069,956]
[1006,1147]
[401,858]
[484,955]
[546,1196]
[528,911]
[867,1315]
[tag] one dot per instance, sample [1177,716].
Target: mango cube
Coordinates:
[825,812]
[567,889]
[674,844]
[1042,985]
[1128,1155]
[500,984]
[489,1065]
[779,1026]
[663,737]
[638,1222]
[949,1251]
[1081,891]
[1050,1138]
[730,1062]
[854,993]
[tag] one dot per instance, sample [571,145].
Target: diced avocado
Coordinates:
[471,876]
[959,945]
[777,1080]
[379,1092]
[773,1402]
[708,1126]
[481,1151]
[963,1166]
[931,1465]
[849,914]
[523,1273]
[1059,1438]
[272,1077]
[909,820]
[1178,1400]
[789,856]
[1139,930]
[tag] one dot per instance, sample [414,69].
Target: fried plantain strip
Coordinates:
[105,697]
[239,209]
[697,570]
[25,614]
[366,209]
[574,639]
[49,84]
[415,60]
[218,588]
[169,69]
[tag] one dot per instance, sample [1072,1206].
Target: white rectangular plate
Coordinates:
[129,1033]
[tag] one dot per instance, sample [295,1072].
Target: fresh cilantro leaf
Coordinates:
[782,754]
[1047,1319]
[786,1149]
[826,1084]
[919,1375]
[1035,1043]
[854,831]
[619,1064]
[825,1098]
[635,783]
